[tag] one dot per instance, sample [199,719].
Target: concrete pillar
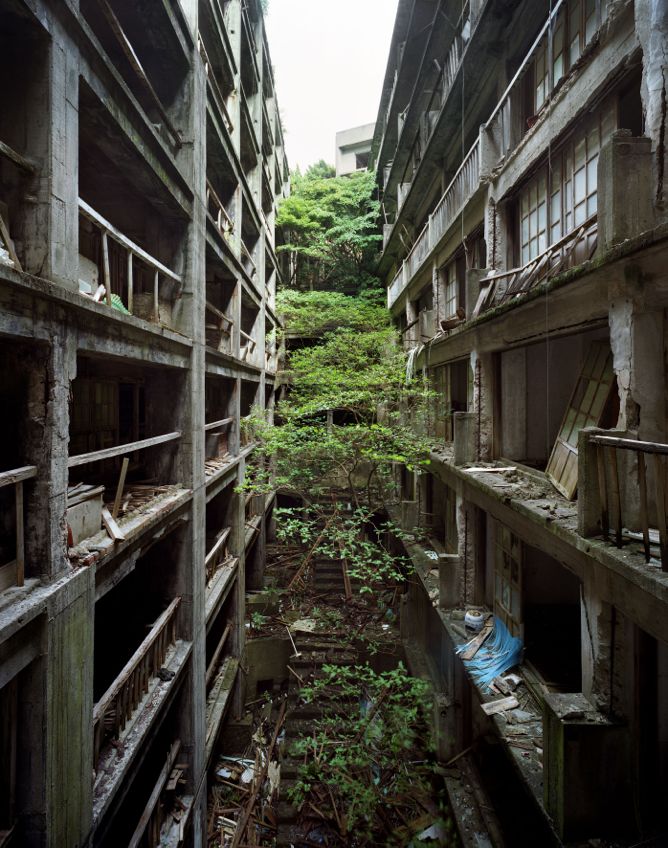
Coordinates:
[46,513]
[490,151]
[464,440]
[652,32]
[474,276]
[513,437]
[637,330]
[69,713]
[62,262]
[624,189]
[449,566]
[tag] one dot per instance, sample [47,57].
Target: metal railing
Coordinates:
[460,190]
[13,573]
[115,708]
[611,494]
[145,305]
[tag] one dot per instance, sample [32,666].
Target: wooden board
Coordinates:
[585,409]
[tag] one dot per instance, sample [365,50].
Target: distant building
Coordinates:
[353,147]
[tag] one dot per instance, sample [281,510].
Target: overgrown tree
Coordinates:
[349,418]
[330,228]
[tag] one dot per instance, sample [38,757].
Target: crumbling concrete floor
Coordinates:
[325,630]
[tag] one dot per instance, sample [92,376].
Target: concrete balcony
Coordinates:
[462,188]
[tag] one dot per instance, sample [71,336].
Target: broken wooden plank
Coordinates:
[109,453]
[477,643]
[493,707]
[4,234]
[152,802]
[17,475]
[29,165]
[119,489]
[111,527]
[224,422]
[213,665]
[243,822]
[20,539]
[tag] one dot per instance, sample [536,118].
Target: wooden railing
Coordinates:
[249,347]
[133,251]
[461,188]
[120,450]
[610,491]
[212,560]
[572,249]
[247,254]
[217,93]
[153,816]
[139,71]
[114,709]
[216,330]
[13,573]
[220,216]
[212,668]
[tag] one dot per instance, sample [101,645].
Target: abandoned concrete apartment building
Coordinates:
[141,159]
[520,153]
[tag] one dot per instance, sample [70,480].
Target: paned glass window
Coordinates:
[450,305]
[564,193]
[508,579]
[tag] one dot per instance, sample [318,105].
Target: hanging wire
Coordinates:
[548,204]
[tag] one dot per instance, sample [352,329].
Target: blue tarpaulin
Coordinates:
[499,653]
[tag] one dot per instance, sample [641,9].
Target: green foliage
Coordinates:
[320,170]
[317,312]
[365,760]
[258,620]
[330,228]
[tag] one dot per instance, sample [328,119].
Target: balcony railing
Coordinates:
[115,708]
[151,821]
[216,210]
[248,345]
[215,88]
[611,495]
[503,126]
[13,573]
[145,305]
[573,249]
[218,328]
[218,554]
[140,73]
[460,190]
[248,261]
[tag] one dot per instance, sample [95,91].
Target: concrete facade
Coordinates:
[141,160]
[520,158]
[352,149]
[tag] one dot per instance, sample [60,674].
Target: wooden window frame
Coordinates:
[508,563]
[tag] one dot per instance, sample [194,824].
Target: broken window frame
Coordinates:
[563,193]
[508,560]
[573,29]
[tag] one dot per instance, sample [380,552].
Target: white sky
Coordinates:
[329,61]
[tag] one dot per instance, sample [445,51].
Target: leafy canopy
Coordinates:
[314,313]
[330,228]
